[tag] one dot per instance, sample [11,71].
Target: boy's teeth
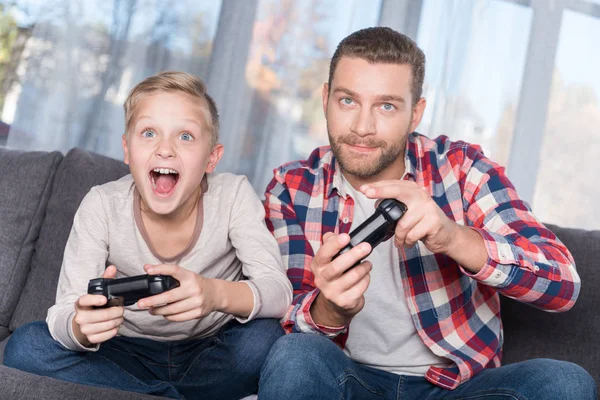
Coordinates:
[165,171]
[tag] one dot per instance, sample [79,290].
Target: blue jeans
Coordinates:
[309,366]
[224,366]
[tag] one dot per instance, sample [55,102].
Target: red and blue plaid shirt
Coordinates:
[456,313]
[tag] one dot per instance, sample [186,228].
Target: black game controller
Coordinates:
[127,291]
[379,227]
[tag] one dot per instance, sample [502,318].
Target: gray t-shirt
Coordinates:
[234,244]
[382,335]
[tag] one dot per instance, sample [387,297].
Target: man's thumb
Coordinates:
[110,272]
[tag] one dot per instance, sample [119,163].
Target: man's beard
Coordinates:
[364,167]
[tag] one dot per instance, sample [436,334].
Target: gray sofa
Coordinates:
[40,192]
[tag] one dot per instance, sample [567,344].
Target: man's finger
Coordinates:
[163,269]
[330,248]
[343,262]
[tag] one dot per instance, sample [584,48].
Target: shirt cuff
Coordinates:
[305,322]
[255,309]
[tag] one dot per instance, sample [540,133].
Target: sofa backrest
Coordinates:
[25,185]
[76,174]
[570,336]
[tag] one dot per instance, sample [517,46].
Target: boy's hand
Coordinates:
[194,298]
[91,325]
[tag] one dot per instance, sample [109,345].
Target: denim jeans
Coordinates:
[224,366]
[309,366]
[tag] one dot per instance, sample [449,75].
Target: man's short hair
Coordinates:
[171,81]
[383,45]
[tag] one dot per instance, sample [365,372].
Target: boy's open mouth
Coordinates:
[163,180]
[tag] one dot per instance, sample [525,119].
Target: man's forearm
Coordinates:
[468,249]
[324,313]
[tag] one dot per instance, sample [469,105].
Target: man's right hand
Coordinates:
[341,294]
[96,325]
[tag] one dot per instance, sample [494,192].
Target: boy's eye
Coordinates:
[148,133]
[186,137]
[388,107]
[347,101]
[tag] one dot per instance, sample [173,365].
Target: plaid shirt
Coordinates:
[456,313]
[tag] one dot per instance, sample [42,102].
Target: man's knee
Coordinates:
[301,353]
[27,346]
[561,379]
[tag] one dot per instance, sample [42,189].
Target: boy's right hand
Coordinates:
[341,292]
[96,325]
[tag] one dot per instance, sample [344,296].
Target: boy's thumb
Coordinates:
[110,272]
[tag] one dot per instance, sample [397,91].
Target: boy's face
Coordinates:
[370,113]
[168,150]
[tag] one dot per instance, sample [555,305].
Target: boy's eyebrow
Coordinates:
[194,121]
[381,97]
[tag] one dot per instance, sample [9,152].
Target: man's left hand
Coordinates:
[424,220]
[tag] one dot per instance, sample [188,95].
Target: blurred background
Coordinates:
[519,77]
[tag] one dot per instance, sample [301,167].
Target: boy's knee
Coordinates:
[27,345]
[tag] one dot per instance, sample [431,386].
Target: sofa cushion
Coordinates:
[25,185]
[77,173]
[571,336]
[22,385]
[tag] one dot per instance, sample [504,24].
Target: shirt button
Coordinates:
[345,220]
[536,268]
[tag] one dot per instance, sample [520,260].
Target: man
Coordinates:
[420,318]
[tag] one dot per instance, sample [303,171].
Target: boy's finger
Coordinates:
[91,300]
[110,272]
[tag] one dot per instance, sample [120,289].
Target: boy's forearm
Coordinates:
[235,298]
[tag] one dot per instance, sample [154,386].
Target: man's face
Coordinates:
[369,116]
[168,150]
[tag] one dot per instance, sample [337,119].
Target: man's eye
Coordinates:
[148,133]
[347,101]
[186,137]
[388,107]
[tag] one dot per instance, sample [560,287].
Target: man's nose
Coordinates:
[364,122]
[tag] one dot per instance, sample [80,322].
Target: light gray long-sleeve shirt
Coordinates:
[233,244]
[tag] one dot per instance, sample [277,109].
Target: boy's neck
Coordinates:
[184,213]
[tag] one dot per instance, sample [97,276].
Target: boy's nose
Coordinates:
[165,149]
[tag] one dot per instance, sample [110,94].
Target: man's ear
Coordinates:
[325,96]
[214,157]
[417,114]
[125,149]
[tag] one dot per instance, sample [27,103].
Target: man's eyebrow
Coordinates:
[391,97]
[382,97]
[346,91]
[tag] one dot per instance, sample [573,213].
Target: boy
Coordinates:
[171,216]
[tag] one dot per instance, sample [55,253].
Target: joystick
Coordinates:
[127,291]
[379,227]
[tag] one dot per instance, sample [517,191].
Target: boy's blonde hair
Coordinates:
[171,81]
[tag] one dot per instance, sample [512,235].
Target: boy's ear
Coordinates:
[214,157]
[125,149]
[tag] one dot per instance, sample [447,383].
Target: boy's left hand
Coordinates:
[194,298]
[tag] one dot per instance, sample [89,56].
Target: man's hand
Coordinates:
[92,326]
[341,294]
[194,298]
[426,222]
